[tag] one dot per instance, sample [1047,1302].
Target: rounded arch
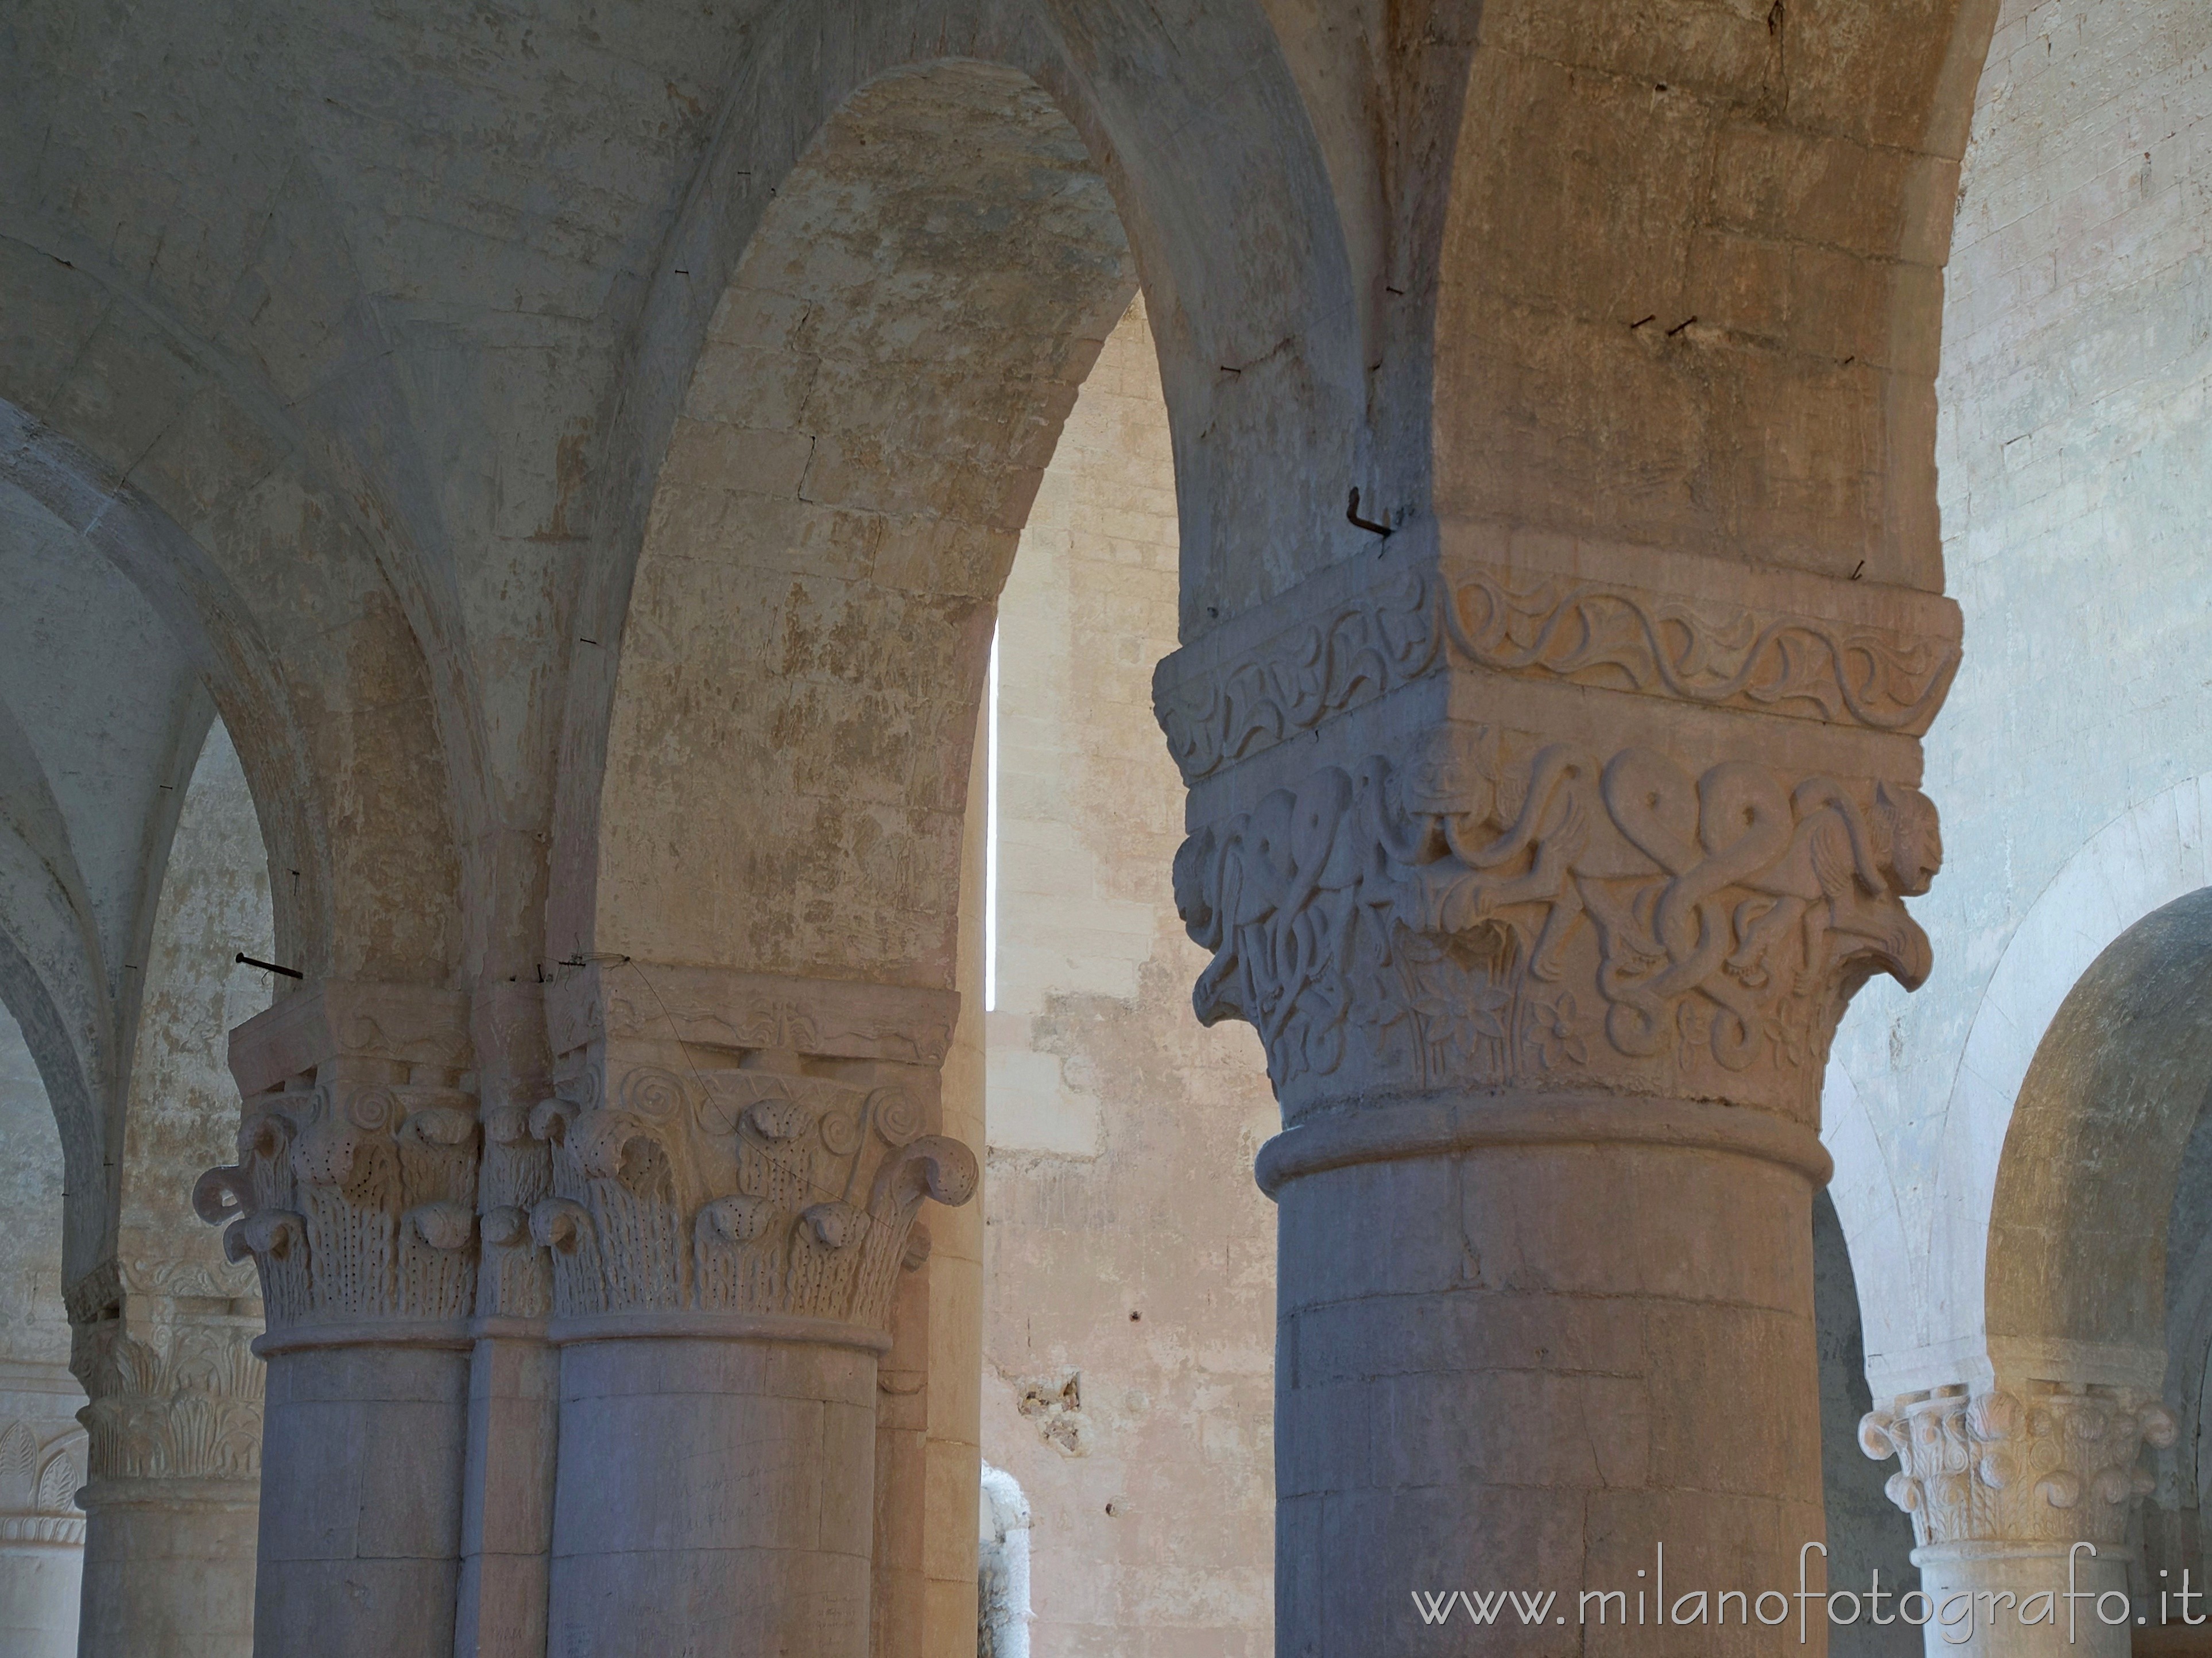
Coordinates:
[1249,288]
[313,671]
[2076,1269]
[883,383]
[1690,281]
[2147,858]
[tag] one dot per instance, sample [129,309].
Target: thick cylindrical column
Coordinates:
[1519,1350]
[361,1503]
[716,1495]
[1543,869]
[169,1567]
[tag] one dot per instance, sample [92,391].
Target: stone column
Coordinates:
[737,1165]
[1544,878]
[174,1454]
[2020,1495]
[356,1195]
[41,1528]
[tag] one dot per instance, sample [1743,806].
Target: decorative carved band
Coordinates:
[1762,647]
[1508,912]
[356,1185]
[2040,1463]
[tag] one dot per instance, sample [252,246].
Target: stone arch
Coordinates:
[1690,282]
[2146,859]
[883,382]
[260,571]
[2076,1268]
[1249,288]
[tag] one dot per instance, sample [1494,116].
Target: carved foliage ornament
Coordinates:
[2057,1465]
[1480,921]
[356,1199]
[180,1401]
[39,1484]
[1604,634]
[741,1191]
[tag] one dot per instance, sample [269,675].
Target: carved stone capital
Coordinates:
[164,1353]
[722,1145]
[41,1471]
[356,1185]
[2041,1462]
[1596,834]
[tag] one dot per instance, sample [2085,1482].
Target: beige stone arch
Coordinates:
[1691,280]
[1250,294]
[2076,1266]
[879,394]
[261,574]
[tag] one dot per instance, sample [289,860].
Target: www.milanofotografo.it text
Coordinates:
[1957,1614]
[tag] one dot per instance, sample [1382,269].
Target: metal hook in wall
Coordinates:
[1351,516]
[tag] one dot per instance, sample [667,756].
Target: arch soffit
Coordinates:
[2147,858]
[1777,191]
[329,708]
[880,391]
[1247,280]
[2075,1277]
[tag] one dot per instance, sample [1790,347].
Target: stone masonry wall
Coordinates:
[1129,1260]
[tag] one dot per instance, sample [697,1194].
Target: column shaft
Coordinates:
[360,1505]
[169,1567]
[714,1495]
[1521,1368]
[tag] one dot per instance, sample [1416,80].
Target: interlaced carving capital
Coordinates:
[2038,1464]
[1511,912]
[1621,822]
